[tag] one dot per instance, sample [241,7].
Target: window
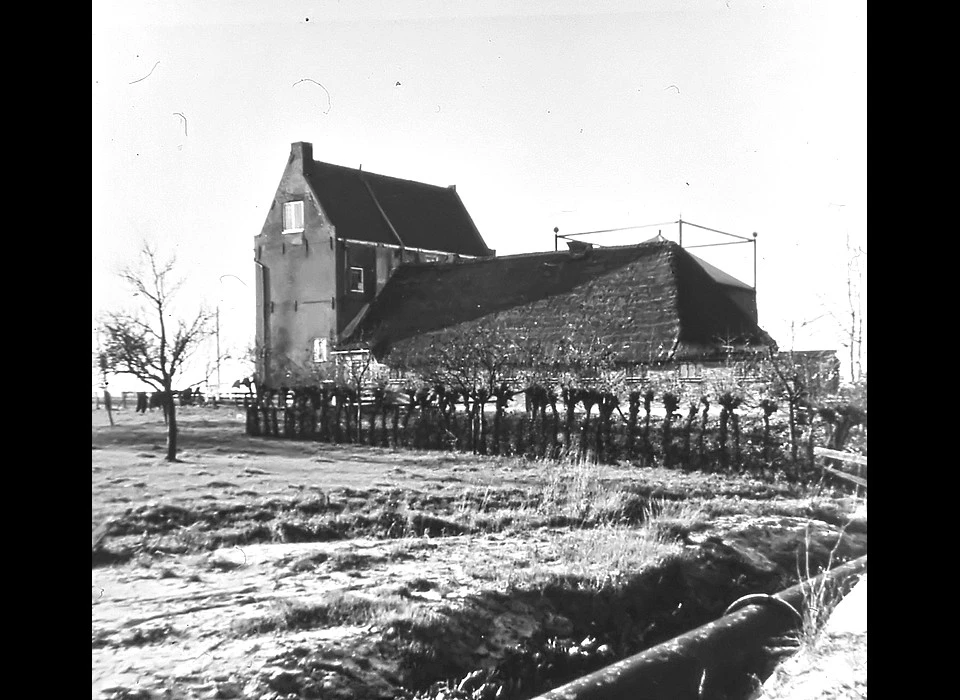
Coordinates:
[355,279]
[320,350]
[690,372]
[293,217]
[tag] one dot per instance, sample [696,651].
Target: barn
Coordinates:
[652,307]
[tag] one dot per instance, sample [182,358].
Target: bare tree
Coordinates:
[854,310]
[786,381]
[354,371]
[849,315]
[148,342]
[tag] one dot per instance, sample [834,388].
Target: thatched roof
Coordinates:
[364,206]
[651,302]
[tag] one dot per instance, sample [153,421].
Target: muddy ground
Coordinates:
[268,569]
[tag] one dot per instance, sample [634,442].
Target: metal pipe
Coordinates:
[724,233]
[714,245]
[623,228]
[731,645]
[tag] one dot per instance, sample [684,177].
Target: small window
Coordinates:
[690,372]
[293,217]
[355,281]
[320,350]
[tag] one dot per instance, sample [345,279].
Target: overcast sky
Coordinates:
[740,116]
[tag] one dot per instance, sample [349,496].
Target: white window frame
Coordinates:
[321,350]
[293,210]
[690,372]
[350,286]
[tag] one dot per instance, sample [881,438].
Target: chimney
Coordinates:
[301,151]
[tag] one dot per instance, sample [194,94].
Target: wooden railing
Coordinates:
[847,457]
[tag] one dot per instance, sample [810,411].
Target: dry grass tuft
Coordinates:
[820,598]
[338,608]
[601,556]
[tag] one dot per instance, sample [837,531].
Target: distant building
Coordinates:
[818,370]
[352,261]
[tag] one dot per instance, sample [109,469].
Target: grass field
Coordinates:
[258,568]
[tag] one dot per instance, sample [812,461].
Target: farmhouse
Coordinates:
[350,261]
[332,238]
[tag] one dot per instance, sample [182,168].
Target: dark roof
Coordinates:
[721,276]
[653,300]
[424,216]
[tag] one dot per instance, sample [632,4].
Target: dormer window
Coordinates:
[355,280]
[293,217]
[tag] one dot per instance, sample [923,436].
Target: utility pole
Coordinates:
[218,349]
[219,299]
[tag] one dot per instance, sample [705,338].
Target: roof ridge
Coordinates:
[378,175]
[545,253]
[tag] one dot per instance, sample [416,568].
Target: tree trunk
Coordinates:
[554,428]
[667,438]
[106,402]
[395,425]
[792,422]
[735,423]
[722,437]
[647,447]
[584,428]
[171,426]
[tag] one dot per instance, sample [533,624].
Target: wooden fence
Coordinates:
[125,400]
[834,458]
[695,441]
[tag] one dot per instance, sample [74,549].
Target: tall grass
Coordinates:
[610,533]
[820,597]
